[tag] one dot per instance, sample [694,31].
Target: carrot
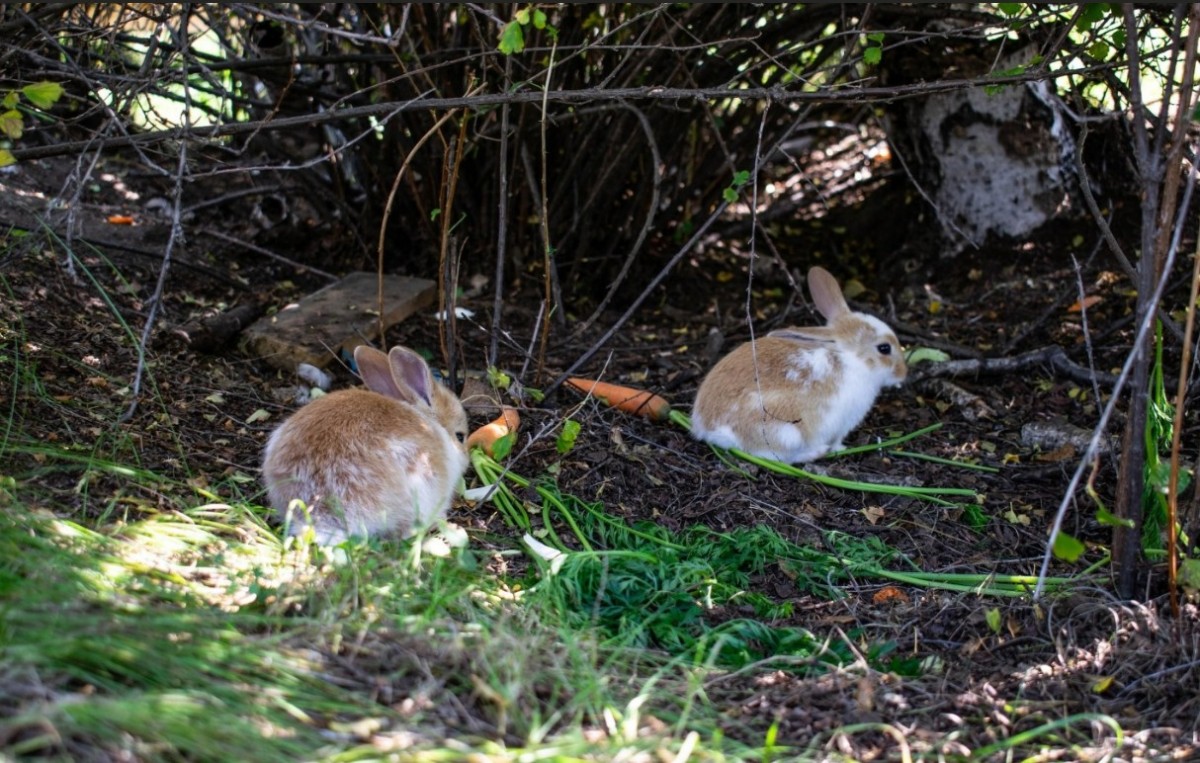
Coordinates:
[639,402]
[486,436]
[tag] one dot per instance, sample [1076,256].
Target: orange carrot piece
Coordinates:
[639,402]
[486,436]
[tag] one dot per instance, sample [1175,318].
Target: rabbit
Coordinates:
[368,462]
[795,394]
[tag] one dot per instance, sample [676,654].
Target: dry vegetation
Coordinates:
[632,187]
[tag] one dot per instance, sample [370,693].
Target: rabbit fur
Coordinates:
[795,394]
[384,460]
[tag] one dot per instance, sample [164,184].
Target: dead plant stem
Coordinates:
[387,208]
[447,272]
[547,249]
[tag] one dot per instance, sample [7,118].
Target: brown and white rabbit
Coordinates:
[368,462]
[795,394]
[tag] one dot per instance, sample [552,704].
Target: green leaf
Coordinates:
[498,378]
[43,94]
[10,124]
[1010,9]
[741,177]
[1118,38]
[512,39]
[730,195]
[1091,13]
[433,213]
[1098,50]
[1068,548]
[1189,574]
[875,36]
[993,619]
[6,157]
[566,438]
[502,447]
[1106,517]
[11,100]
[872,55]
[539,19]
[523,16]
[925,355]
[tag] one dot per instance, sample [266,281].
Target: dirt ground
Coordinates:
[1084,653]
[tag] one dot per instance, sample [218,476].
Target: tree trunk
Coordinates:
[992,161]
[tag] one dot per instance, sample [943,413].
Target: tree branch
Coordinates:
[488,100]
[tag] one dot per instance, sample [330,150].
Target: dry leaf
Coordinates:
[1084,303]
[873,514]
[890,594]
[1063,453]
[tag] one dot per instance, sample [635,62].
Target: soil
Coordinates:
[1084,653]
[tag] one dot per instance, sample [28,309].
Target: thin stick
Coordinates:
[874,95]
[1177,430]
[447,280]
[176,236]
[251,247]
[387,208]
[548,251]
[501,226]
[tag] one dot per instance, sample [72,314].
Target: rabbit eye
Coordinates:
[884,349]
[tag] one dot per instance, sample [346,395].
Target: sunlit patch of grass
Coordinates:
[113,650]
[198,633]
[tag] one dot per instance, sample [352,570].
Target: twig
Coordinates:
[552,300]
[637,303]
[267,253]
[1177,425]
[448,274]
[1083,319]
[1147,319]
[647,226]
[586,95]
[501,226]
[1055,307]
[1054,356]
[387,208]
[176,235]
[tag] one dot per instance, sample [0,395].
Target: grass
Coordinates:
[147,618]
[196,633]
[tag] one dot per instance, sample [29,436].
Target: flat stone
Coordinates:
[339,317]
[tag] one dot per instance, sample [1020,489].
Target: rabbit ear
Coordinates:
[816,335]
[826,294]
[376,373]
[410,371]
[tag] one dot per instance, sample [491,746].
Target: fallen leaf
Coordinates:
[120,220]
[259,415]
[1102,684]
[971,647]
[1084,303]
[1013,625]
[864,696]
[1063,453]
[992,616]
[889,594]
[1015,518]
[873,514]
